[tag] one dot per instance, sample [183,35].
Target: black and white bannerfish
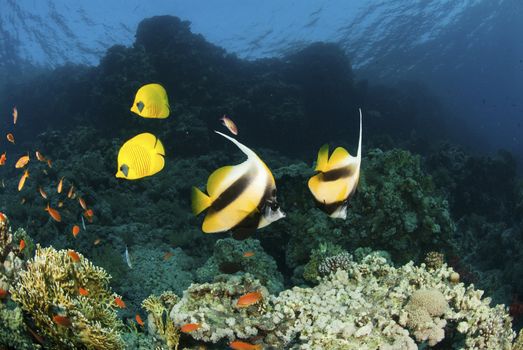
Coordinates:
[239,197]
[336,180]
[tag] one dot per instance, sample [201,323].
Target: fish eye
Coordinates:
[274,206]
[140,105]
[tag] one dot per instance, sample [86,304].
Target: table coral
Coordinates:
[49,287]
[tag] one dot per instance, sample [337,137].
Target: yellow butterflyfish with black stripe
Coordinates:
[151,102]
[141,156]
[336,180]
[240,198]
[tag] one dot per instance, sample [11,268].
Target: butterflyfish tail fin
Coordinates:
[323,158]
[248,152]
[199,201]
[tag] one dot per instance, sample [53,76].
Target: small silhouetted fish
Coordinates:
[230,267]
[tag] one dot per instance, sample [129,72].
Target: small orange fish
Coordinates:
[53,213]
[119,302]
[3,158]
[3,218]
[60,184]
[190,327]
[229,124]
[76,230]
[70,193]
[22,180]
[20,163]
[42,193]
[241,345]
[82,203]
[39,156]
[248,254]
[15,115]
[10,138]
[62,321]
[73,255]
[88,214]
[3,293]
[83,291]
[167,256]
[21,246]
[49,163]
[139,320]
[97,241]
[249,299]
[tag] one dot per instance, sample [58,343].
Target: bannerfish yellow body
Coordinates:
[140,156]
[151,102]
[241,198]
[337,179]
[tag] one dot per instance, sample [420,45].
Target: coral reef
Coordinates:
[374,305]
[48,290]
[213,307]
[230,257]
[160,325]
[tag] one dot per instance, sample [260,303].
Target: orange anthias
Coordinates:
[241,345]
[70,193]
[88,214]
[21,183]
[21,162]
[10,138]
[83,291]
[249,299]
[119,302]
[82,203]
[60,185]
[3,158]
[62,321]
[73,255]
[189,327]
[53,213]
[42,193]
[21,246]
[3,293]
[139,320]
[248,254]
[39,156]
[76,230]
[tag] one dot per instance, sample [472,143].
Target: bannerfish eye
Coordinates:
[125,169]
[140,106]
[274,206]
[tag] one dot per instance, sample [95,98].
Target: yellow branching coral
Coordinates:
[159,321]
[49,290]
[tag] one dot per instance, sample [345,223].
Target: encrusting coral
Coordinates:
[49,291]
[366,305]
[160,325]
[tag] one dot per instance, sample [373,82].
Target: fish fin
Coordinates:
[323,158]
[218,181]
[250,153]
[358,155]
[158,147]
[338,158]
[200,201]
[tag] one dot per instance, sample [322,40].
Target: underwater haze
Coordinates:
[261,175]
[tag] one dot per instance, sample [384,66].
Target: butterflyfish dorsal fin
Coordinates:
[219,180]
[248,152]
[323,158]
[338,158]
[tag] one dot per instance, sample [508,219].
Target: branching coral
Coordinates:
[49,287]
[160,324]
